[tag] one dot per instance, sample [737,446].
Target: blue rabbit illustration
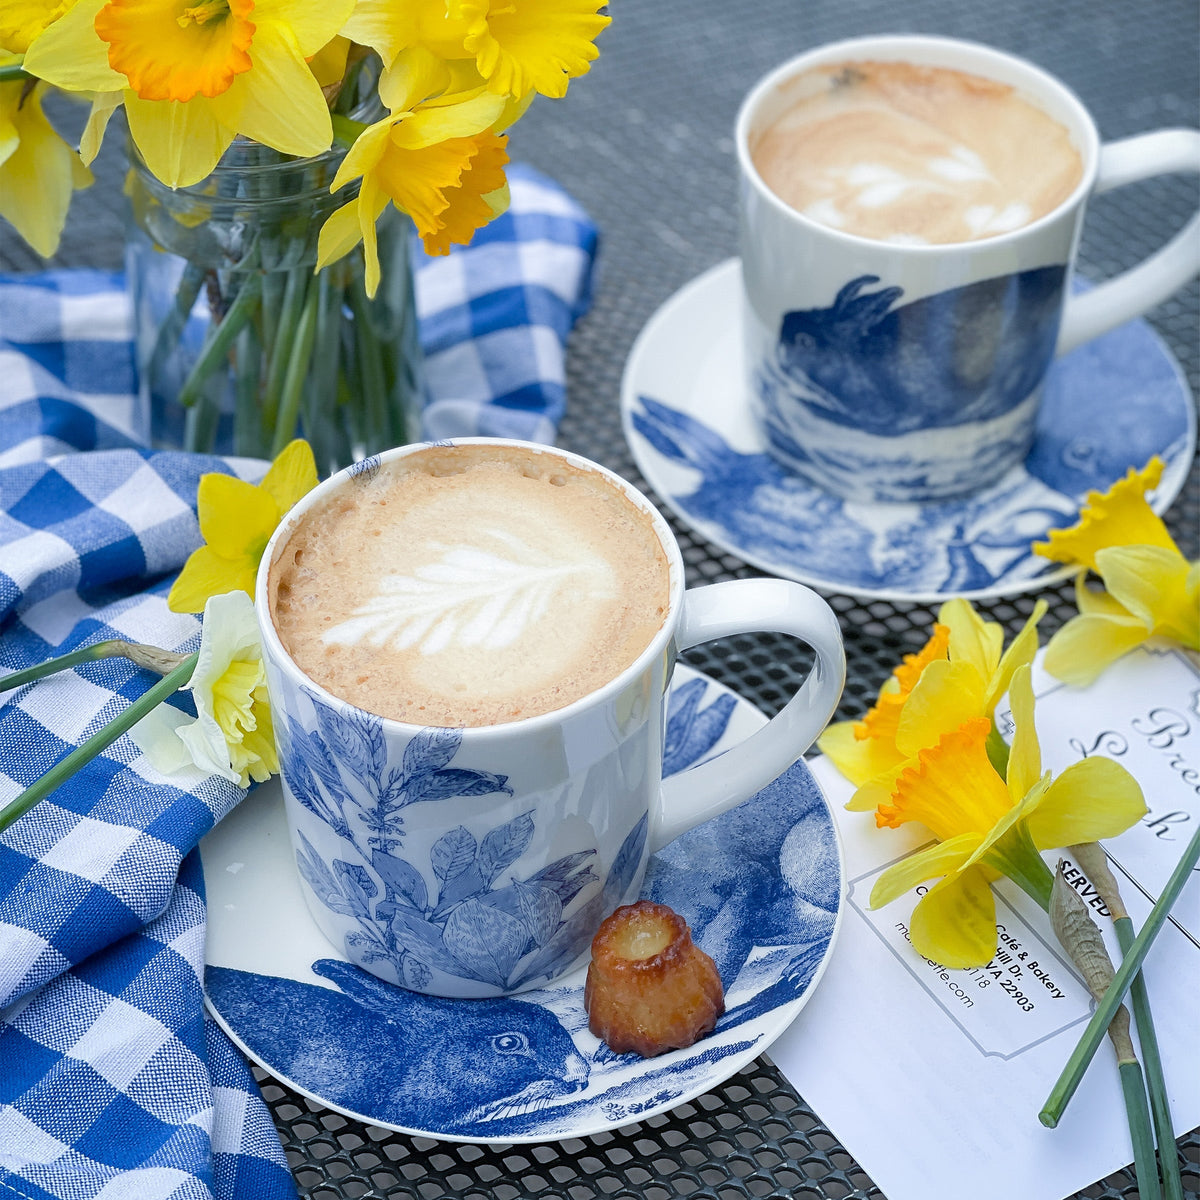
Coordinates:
[400,1057]
[964,354]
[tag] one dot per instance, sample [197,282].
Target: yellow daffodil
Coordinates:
[236,522]
[960,673]
[518,46]
[231,735]
[22,20]
[194,76]
[435,156]
[987,825]
[1151,590]
[38,170]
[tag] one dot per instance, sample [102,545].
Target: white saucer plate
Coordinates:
[762,888]
[1107,406]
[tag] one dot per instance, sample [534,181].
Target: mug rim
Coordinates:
[768,84]
[658,645]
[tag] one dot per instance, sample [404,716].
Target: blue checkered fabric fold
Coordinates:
[114,1083]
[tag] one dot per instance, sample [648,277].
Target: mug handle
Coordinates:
[746,606]
[1156,278]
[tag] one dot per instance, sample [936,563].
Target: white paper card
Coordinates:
[933,1078]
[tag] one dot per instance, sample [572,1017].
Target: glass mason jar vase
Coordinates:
[240,346]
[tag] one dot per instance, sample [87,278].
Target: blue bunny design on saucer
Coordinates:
[760,886]
[961,366]
[1107,406]
[476,926]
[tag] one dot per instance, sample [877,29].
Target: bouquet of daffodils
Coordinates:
[229,103]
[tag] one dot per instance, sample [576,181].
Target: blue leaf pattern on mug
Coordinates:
[691,731]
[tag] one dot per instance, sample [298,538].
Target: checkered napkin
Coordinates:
[114,1083]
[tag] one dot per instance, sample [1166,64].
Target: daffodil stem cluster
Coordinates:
[1091,858]
[1067,1083]
[286,348]
[98,742]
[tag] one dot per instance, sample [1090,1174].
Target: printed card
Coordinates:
[918,1069]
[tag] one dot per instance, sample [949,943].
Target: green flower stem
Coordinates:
[297,371]
[323,422]
[248,437]
[98,742]
[13,73]
[370,361]
[1144,1165]
[1156,1084]
[1077,1064]
[181,307]
[281,351]
[150,657]
[1090,856]
[220,338]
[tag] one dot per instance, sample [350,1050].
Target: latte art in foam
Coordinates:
[911,154]
[470,596]
[469,585]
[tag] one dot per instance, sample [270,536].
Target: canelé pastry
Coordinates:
[649,987]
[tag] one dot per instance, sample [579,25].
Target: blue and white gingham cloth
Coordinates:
[114,1083]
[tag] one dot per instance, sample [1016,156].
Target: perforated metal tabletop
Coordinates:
[645,143]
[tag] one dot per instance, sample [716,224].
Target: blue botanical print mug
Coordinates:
[910,209]
[466,800]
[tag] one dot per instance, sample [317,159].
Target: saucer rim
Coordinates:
[714,277]
[774,1023]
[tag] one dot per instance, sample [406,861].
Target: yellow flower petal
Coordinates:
[1021,652]
[236,518]
[1025,755]
[1092,799]
[207,574]
[943,858]
[313,23]
[414,75]
[1087,644]
[328,65]
[37,169]
[879,789]
[442,123]
[1119,517]
[972,639]
[1152,584]
[531,44]
[364,155]
[371,203]
[954,789]
[946,695]
[71,56]
[281,104]
[103,107]
[383,25]
[955,922]
[882,720]
[180,142]
[859,759]
[339,235]
[293,474]
[23,20]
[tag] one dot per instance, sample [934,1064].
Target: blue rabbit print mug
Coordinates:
[910,209]
[468,648]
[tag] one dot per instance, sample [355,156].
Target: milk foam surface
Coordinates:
[921,155]
[469,585]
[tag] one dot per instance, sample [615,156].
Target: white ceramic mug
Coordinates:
[852,344]
[480,861]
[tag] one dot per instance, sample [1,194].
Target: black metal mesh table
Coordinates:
[645,142]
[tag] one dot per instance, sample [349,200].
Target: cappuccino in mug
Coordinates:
[469,585]
[911,154]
